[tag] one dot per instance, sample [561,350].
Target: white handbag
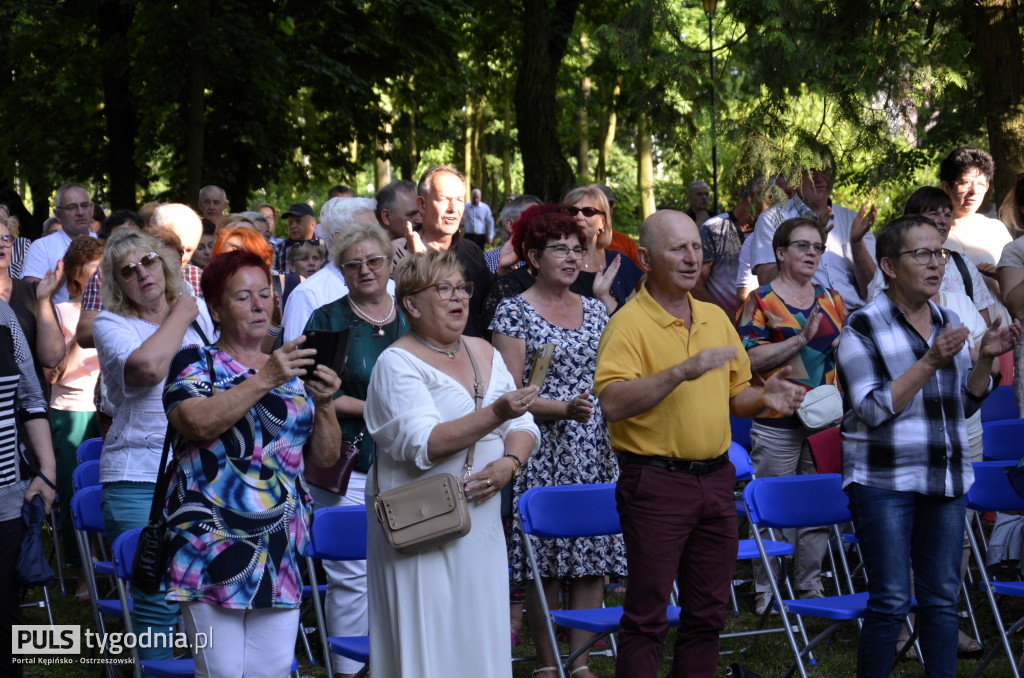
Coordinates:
[822,407]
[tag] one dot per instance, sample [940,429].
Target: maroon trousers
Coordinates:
[677,527]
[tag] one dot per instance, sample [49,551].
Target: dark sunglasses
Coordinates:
[129,271]
[587,211]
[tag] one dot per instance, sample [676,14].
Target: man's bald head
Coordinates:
[654,228]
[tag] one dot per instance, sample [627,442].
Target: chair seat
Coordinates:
[1009,588]
[603,619]
[356,648]
[168,668]
[838,608]
[103,567]
[748,549]
[112,607]
[307,592]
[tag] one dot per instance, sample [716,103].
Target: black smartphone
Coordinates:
[331,349]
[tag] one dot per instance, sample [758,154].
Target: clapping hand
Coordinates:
[863,222]
[51,282]
[782,395]
[948,345]
[707,360]
[999,339]
[810,328]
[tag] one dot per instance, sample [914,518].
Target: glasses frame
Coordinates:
[131,271]
[466,287]
[942,254]
[579,251]
[804,246]
[6,241]
[358,263]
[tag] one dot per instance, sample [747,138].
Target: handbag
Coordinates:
[149,567]
[822,407]
[335,478]
[429,512]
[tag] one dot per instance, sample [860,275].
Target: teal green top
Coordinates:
[366,343]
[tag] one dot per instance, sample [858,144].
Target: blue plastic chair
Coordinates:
[86,474]
[339,533]
[1000,405]
[740,427]
[992,492]
[89,449]
[569,511]
[805,501]
[1002,440]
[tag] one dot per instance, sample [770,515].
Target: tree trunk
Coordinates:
[546,32]
[467,145]
[381,157]
[114,20]
[583,145]
[645,167]
[609,137]
[1001,69]
[197,100]
[479,152]
[506,152]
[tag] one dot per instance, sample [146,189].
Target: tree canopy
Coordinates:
[278,100]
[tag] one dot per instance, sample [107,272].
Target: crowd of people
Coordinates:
[193,326]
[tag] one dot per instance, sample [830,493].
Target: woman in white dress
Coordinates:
[440,612]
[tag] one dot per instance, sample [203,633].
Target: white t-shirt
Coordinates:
[132,449]
[962,305]
[981,239]
[43,255]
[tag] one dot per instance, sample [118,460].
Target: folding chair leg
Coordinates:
[52,518]
[970,610]
[985,582]
[321,618]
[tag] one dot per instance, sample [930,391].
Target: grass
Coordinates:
[769,656]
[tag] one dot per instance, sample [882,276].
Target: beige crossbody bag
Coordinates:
[432,511]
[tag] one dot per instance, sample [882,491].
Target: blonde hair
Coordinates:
[118,247]
[416,272]
[593,193]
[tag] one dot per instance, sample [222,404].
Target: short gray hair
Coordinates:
[67,187]
[337,214]
[223,193]
[357,233]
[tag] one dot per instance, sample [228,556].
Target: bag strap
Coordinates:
[964,273]
[156,509]
[202,335]
[478,398]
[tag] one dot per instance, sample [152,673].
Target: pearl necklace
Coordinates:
[379,323]
[451,354]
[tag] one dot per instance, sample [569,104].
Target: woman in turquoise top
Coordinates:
[238,511]
[364,255]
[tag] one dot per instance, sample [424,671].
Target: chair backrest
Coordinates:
[1000,405]
[89,449]
[740,427]
[1001,440]
[124,552]
[86,474]
[86,509]
[339,533]
[992,490]
[797,501]
[741,460]
[570,511]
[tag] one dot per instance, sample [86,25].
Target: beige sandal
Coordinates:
[578,669]
[545,669]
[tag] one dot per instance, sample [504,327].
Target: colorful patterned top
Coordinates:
[238,509]
[767,319]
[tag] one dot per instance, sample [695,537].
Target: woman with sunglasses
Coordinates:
[588,205]
[149,313]
[792,321]
[365,257]
[575,448]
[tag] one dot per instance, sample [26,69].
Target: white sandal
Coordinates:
[578,669]
[545,669]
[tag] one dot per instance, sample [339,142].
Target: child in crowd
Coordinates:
[306,258]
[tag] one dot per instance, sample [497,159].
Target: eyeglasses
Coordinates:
[6,241]
[562,251]
[373,263]
[923,255]
[804,246]
[586,211]
[977,185]
[129,271]
[446,291]
[76,207]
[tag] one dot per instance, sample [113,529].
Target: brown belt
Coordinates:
[696,467]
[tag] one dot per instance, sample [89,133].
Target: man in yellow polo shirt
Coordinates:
[669,371]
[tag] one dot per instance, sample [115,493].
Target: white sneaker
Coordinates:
[763,600]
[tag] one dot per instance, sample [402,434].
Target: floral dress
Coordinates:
[571,453]
[238,510]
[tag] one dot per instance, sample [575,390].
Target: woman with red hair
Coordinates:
[575,448]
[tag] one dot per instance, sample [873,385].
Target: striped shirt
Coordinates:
[923,448]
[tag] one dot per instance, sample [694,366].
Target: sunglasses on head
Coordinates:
[586,211]
[129,271]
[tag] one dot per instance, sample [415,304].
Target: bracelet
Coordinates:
[519,465]
[275,331]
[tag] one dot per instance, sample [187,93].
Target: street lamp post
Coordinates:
[709,9]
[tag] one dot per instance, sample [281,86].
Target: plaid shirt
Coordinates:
[91,295]
[922,448]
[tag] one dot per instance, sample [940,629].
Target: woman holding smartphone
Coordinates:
[575,448]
